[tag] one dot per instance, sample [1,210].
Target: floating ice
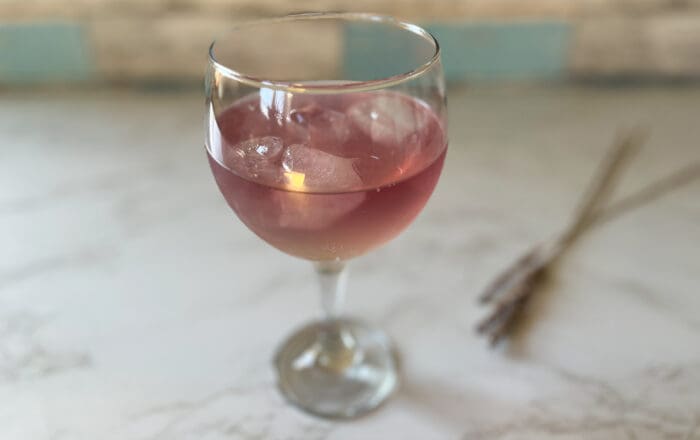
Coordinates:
[321,127]
[256,158]
[308,168]
[389,119]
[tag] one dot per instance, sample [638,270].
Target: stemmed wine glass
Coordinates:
[327,140]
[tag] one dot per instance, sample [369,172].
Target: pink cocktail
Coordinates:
[339,175]
[326,162]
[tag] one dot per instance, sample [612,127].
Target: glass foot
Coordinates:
[336,368]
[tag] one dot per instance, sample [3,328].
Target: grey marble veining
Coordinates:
[129,293]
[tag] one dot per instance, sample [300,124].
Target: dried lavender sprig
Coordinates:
[508,304]
[513,287]
[506,279]
[498,324]
[601,186]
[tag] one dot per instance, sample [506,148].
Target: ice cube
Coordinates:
[330,130]
[308,168]
[256,158]
[313,212]
[389,119]
[323,127]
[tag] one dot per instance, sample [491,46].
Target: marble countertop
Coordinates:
[134,306]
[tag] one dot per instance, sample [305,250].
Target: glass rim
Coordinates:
[349,86]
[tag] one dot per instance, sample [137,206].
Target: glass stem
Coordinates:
[332,277]
[337,345]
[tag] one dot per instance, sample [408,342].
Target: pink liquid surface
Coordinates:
[327,176]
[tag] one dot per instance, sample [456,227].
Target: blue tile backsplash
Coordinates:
[43,52]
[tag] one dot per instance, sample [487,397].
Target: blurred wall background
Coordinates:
[165,41]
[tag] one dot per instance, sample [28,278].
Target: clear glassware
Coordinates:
[327,140]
